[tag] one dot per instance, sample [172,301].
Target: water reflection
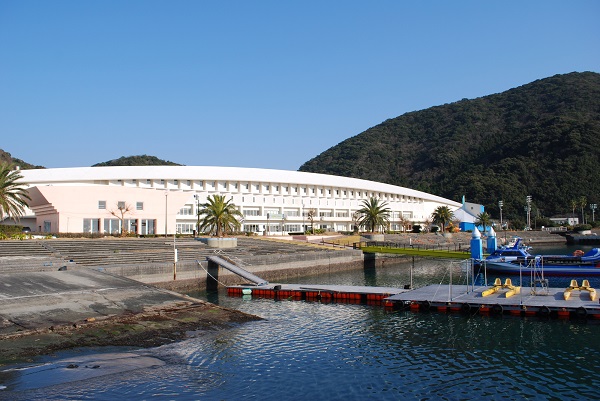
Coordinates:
[312,350]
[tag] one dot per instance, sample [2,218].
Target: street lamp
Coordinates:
[593,206]
[528,209]
[500,204]
[166,199]
[197,213]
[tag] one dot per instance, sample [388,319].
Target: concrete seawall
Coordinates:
[270,267]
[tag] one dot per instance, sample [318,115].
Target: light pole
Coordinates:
[528,208]
[166,200]
[500,204]
[174,257]
[197,213]
[303,225]
[593,206]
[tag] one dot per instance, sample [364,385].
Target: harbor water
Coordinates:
[333,351]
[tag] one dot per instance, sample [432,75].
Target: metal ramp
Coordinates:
[539,284]
[237,270]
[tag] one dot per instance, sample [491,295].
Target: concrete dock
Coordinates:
[39,300]
[466,299]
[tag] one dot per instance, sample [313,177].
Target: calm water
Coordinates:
[315,351]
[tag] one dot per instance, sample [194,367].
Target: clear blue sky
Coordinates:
[267,84]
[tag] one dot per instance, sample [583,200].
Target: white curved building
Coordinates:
[164,199]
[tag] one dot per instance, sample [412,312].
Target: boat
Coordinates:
[515,258]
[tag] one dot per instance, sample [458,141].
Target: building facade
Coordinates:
[165,199]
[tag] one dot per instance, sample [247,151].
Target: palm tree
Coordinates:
[220,216]
[582,203]
[13,195]
[374,213]
[311,214]
[483,219]
[442,215]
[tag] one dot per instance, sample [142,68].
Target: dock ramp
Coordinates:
[237,270]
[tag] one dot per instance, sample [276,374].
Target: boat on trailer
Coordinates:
[515,258]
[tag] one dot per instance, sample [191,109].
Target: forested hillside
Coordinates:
[541,139]
[6,157]
[143,160]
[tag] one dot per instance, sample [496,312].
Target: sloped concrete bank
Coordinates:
[272,267]
[41,312]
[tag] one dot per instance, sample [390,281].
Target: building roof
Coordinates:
[83,175]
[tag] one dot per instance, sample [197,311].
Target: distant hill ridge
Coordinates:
[6,157]
[143,160]
[540,139]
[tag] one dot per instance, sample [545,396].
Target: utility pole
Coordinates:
[500,204]
[166,198]
[528,199]
[593,206]
[197,213]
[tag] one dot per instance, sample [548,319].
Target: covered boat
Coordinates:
[515,258]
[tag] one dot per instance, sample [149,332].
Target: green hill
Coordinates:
[143,160]
[6,157]
[541,139]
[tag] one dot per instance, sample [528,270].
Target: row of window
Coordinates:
[115,226]
[285,189]
[121,205]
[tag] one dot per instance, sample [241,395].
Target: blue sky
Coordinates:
[267,84]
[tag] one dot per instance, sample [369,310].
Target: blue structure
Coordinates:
[492,242]
[476,245]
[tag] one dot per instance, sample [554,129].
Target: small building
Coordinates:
[467,215]
[565,220]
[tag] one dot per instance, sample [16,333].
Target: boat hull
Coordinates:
[549,270]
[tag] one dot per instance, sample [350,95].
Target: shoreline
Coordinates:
[151,328]
[151,309]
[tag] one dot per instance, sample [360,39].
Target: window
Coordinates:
[112,226]
[102,205]
[121,205]
[251,228]
[91,225]
[139,206]
[185,228]
[186,211]
[251,212]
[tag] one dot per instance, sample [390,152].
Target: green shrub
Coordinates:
[10,230]
[582,227]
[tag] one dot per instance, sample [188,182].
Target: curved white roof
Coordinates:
[89,174]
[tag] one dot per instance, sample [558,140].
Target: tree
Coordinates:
[582,203]
[13,195]
[374,214]
[442,215]
[355,222]
[311,214]
[404,222]
[122,210]
[220,216]
[483,219]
